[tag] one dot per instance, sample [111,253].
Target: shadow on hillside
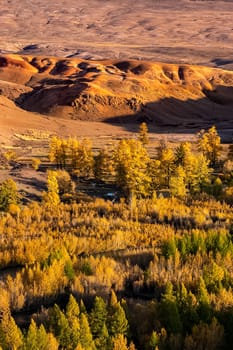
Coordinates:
[168,115]
[176,116]
[42,99]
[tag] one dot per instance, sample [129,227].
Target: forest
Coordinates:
[150,268]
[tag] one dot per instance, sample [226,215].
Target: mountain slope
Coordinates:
[119,91]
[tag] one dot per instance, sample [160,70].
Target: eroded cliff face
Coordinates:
[119,91]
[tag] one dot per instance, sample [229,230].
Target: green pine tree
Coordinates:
[60,326]
[32,337]
[204,309]
[103,342]
[86,339]
[72,308]
[43,341]
[187,304]
[98,317]
[169,312]
[118,323]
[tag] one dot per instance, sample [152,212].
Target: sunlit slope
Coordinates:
[119,91]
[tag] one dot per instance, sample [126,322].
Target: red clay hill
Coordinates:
[118,91]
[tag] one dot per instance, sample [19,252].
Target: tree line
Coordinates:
[180,170]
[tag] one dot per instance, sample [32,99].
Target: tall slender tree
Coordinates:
[209,142]
[86,339]
[98,317]
[143,134]
[131,163]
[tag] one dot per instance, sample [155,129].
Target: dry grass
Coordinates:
[34,135]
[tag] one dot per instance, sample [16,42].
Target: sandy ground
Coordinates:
[160,30]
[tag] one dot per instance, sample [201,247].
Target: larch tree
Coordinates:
[104,165]
[85,161]
[43,339]
[209,142]
[198,174]
[8,194]
[73,155]
[51,197]
[143,134]
[10,335]
[206,336]
[73,145]
[204,309]
[36,338]
[82,308]
[58,151]
[79,347]
[35,162]
[154,173]
[163,144]
[132,346]
[113,300]
[187,307]
[52,342]
[154,341]
[120,342]
[131,164]
[72,314]
[177,183]
[65,184]
[182,154]
[166,166]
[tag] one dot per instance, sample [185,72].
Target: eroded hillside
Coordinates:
[119,91]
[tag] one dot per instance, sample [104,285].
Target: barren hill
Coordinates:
[119,91]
